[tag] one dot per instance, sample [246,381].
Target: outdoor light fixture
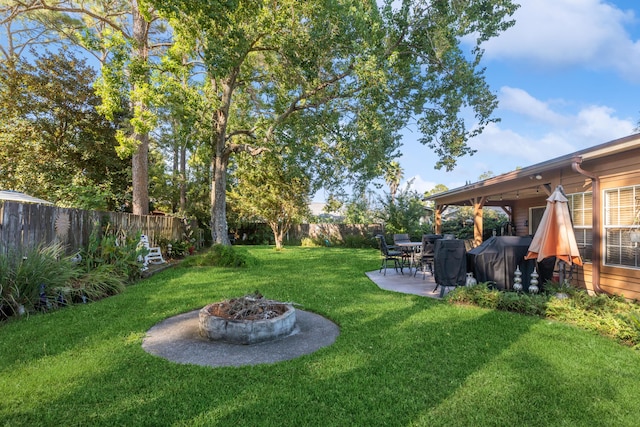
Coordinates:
[538,177]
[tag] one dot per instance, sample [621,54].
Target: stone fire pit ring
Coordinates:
[242,331]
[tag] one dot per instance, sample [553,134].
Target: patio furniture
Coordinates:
[400,238]
[154,255]
[409,251]
[497,259]
[404,244]
[450,264]
[426,257]
[389,255]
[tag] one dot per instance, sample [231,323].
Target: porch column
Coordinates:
[438,218]
[478,203]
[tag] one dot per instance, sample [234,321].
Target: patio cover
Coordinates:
[555,237]
[16,196]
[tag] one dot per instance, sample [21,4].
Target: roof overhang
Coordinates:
[531,181]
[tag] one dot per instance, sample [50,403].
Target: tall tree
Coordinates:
[54,143]
[339,75]
[119,34]
[393,175]
[272,189]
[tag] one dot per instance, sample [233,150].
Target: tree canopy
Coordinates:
[329,83]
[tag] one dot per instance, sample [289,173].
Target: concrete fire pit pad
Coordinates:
[178,339]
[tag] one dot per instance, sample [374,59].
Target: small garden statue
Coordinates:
[517,280]
[533,284]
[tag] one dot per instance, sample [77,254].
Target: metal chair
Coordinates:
[389,255]
[426,257]
[407,253]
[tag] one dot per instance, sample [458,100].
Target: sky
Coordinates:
[567,77]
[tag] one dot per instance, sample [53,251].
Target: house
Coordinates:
[602,184]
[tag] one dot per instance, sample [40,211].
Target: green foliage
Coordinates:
[608,315]
[61,149]
[118,249]
[219,256]
[404,213]
[25,276]
[272,190]
[460,223]
[357,241]
[100,282]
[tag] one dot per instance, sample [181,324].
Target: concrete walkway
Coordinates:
[422,284]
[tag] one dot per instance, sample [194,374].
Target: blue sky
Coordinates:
[567,77]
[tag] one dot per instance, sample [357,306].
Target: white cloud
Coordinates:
[419,184]
[599,123]
[565,133]
[562,33]
[521,102]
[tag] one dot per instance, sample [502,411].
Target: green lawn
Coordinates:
[399,360]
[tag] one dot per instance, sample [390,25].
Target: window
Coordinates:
[535,216]
[621,206]
[581,208]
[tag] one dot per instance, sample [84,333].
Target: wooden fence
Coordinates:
[25,225]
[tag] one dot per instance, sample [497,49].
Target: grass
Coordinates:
[400,360]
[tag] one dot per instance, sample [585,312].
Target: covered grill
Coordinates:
[496,259]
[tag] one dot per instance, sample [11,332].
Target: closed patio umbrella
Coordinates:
[554,236]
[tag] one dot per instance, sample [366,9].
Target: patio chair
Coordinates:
[154,255]
[425,257]
[406,253]
[389,255]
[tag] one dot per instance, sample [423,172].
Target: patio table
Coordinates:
[409,250]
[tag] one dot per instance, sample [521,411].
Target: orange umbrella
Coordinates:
[554,236]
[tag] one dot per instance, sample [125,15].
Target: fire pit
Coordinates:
[247,320]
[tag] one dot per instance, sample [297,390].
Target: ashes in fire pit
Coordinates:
[247,320]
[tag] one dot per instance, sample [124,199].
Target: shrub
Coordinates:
[356,241]
[100,282]
[218,256]
[31,278]
[612,316]
[122,252]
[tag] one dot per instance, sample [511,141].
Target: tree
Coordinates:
[119,34]
[404,214]
[393,175]
[360,209]
[270,189]
[341,76]
[55,144]
[486,175]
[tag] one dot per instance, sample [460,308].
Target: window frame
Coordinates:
[618,249]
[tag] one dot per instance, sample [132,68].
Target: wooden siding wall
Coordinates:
[27,225]
[619,170]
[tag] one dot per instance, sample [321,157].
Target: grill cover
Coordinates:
[450,262]
[495,260]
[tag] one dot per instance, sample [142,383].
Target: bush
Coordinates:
[357,241]
[30,279]
[612,316]
[218,256]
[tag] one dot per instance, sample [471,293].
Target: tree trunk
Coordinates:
[140,160]
[183,179]
[219,228]
[140,176]
[278,234]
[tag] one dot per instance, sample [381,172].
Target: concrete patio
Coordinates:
[407,283]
